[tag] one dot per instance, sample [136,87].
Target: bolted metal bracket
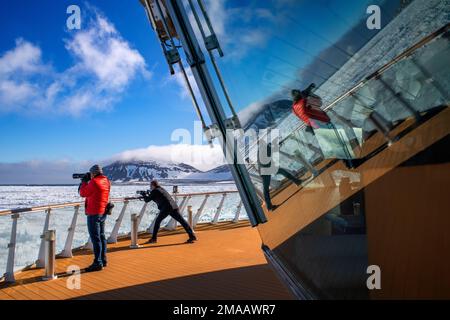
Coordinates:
[173,56]
[211,43]
[211,132]
[232,123]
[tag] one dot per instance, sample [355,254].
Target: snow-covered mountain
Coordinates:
[134,171]
[265,115]
[221,173]
[143,171]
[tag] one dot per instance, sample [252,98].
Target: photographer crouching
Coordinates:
[95,187]
[167,207]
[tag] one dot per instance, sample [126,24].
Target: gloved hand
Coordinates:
[145,197]
[86,178]
[309,90]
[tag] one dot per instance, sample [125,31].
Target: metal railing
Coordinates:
[294,146]
[183,200]
[373,76]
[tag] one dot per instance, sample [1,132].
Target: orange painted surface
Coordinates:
[226,263]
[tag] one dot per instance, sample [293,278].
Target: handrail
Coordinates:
[113,237]
[75,204]
[384,68]
[376,74]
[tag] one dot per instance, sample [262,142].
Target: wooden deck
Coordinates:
[226,263]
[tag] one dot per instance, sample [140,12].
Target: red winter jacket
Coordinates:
[96,193]
[308,114]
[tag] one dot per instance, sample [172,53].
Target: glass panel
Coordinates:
[403,89]
[363,99]
[270,51]
[329,256]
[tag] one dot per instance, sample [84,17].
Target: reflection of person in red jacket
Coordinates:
[306,107]
[95,188]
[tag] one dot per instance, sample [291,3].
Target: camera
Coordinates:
[142,192]
[81,175]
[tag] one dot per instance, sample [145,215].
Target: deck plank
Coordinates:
[226,263]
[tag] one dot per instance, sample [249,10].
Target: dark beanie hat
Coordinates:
[96,170]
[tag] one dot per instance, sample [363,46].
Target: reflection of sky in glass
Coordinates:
[267,43]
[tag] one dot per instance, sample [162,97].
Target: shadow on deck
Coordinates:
[222,265]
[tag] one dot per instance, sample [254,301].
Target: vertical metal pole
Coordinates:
[196,60]
[40,262]
[190,217]
[219,209]
[50,250]
[301,158]
[89,245]
[200,210]
[9,275]
[67,251]
[113,236]
[141,214]
[406,105]
[134,231]
[378,121]
[238,212]
[172,224]
[215,45]
[356,208]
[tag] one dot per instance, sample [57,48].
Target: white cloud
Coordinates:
[16,66]
[25,57]
[101,51]
[104,65]
[202,157]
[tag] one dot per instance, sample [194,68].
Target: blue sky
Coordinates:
[145,110]
[105,90]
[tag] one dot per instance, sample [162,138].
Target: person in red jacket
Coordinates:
[95,187]
[306,107]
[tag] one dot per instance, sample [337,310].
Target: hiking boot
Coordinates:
[150,241]
[191,239]
[94,267]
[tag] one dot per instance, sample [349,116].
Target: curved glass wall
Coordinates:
[274,47]
[372,86]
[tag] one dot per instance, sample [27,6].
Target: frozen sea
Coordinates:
[30,224]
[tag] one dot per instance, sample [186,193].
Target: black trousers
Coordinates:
[177,216]
[266,185]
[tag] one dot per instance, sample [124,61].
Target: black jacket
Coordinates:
[162,198]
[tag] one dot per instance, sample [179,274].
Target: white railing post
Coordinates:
[190,217]
[113,236]
[134,231]
[219,209]
[40,262]
[172,224]
[67,251]
[238,212]
[141,214]
[9,274]
[89,245]
[50,250]
[200,210]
